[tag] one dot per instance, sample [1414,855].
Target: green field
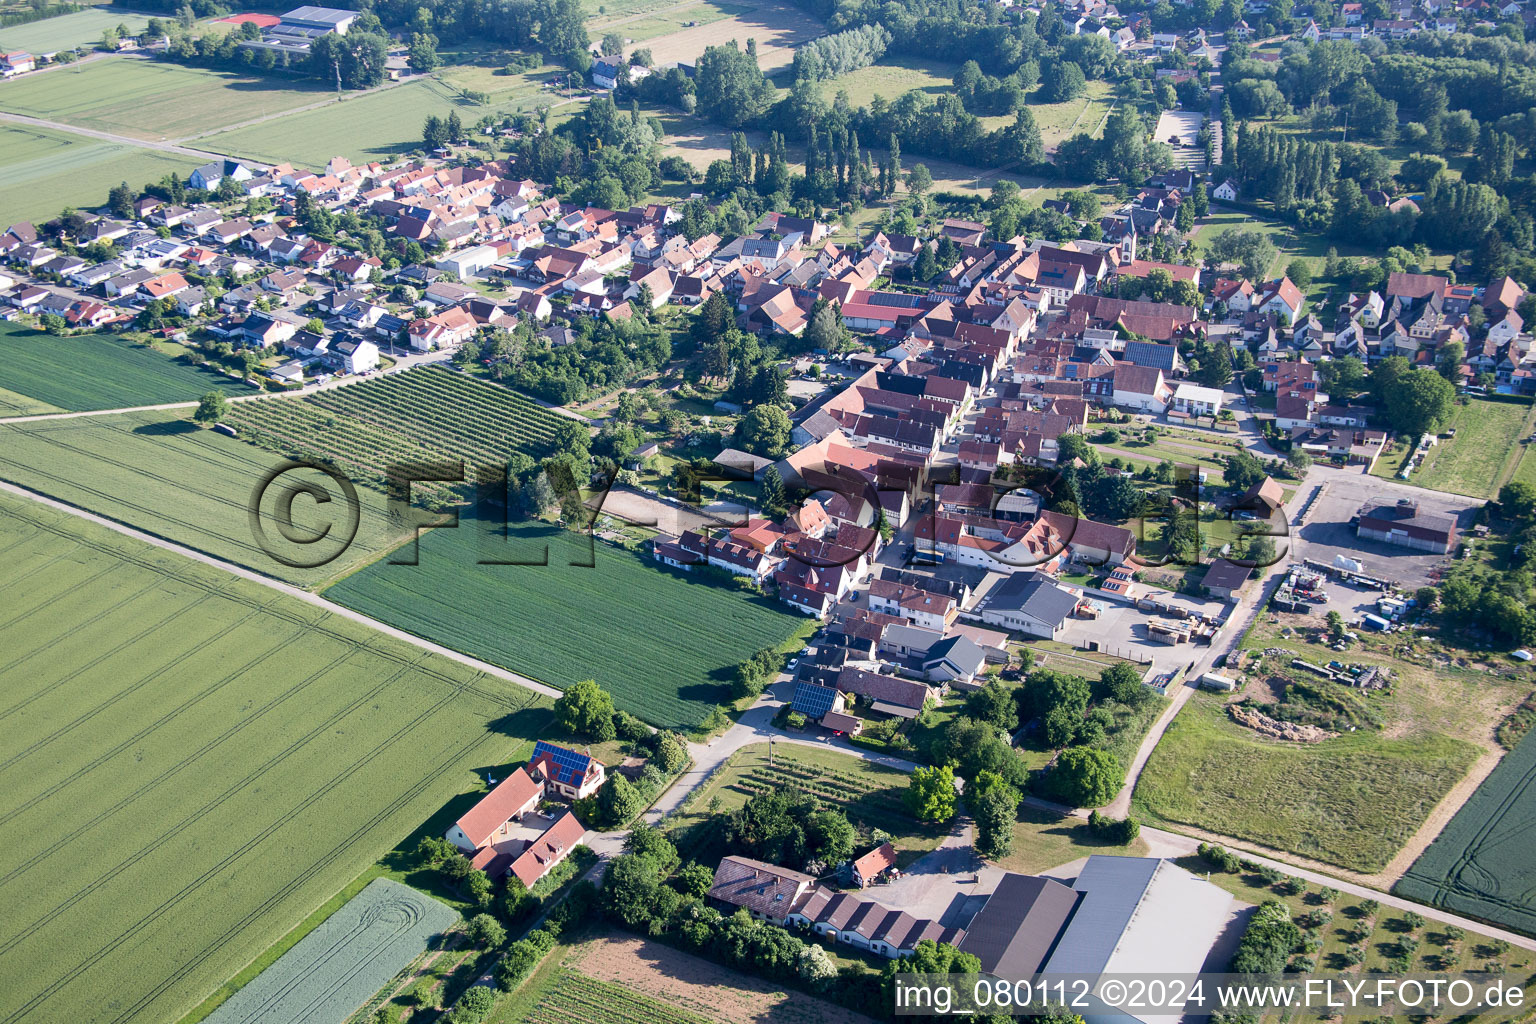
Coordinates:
[375,126]
[83,28]
[336,968]
[151,100]
[890,78]
[12,404]
[665,645]
[1481,864]
[675,19]
[1352,801]
[158,472]
[1483,454]
[194,763]
[92,371]
[576,997]
[430,414]
[42,170]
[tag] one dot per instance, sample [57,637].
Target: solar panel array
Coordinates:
[572,766]
[894,299]
[812,700]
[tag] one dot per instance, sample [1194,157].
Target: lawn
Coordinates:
[890,78]
[42,170]
[158,472]
[67,31]
[194,763]
[870,794]
[1483,454]
[1481,864]
[151,100]
[93,371]
[1043,840]
[1354,799]
[379,125]
[562,607]
[1059,121]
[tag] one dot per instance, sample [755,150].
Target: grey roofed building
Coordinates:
[1146,353]
[1015,931]
[1139,915]
[1028,601]
[955,657]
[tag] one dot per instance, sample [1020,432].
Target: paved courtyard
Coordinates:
[1326,532]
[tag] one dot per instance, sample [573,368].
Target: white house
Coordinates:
[1194,400]
[1226,191]
[356,355]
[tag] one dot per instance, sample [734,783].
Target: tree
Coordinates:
[919,180]
[1518,500]
[1122,682]
[773,493]
[995,806]
[586,709]
[1252,251]
[1299,273]
[931,793]
[730,87]
[211,408]
[1448,360]
[815,966]
[825,331]
[485,931]
[422,55]
[612,44]
[1086,776]
[120,199]
[1243,471]
[1075,446]
[619,800]
[994,705]
[1336,628]
[764,431]
[1418,401]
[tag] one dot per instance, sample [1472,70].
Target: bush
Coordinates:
[522,957]
[795,720]
[473,1005]
[485,931]
[1220,858]
[1119,831]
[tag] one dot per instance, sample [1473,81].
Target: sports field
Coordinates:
[43,170]
[194,763]
[375,126]
[160,473]
[97,372]
[665,646]
[83,28]
[151,100]
[1481,864]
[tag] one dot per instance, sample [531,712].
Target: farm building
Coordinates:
[490,820]
[1404,525]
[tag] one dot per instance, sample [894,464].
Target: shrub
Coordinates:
[1220,858]
[1119,831]
[485,931]
[522,957]
[473,1005]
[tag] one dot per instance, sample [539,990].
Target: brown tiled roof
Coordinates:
[481,821]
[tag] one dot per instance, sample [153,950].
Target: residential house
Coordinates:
[572,774]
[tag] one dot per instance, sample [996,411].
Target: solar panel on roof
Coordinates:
[571,763]
[893,299]
[812,700]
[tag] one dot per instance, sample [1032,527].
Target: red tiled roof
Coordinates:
[496,807]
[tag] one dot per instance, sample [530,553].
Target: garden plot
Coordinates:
[335,968]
